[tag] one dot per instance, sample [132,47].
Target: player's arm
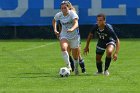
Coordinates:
[86,49]
[115,55]
[75,25]
[54,23]
[90,36]
[113,34]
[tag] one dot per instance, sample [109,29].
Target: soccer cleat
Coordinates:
[83,70]
[106,73]
[98,73]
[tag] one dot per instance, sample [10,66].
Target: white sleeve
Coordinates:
[74,15]
[57,16]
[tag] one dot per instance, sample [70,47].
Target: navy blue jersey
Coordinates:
[106,35]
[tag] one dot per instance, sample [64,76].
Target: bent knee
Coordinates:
[109,53]
[75,57]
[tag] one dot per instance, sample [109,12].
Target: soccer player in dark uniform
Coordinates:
[108,41]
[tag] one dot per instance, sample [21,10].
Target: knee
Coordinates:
[98,59]
[75,57]
[63,48]
[64,45]
[109,53]
[109,50]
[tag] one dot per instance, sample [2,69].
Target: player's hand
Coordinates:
[115,56]
[69,30]
[86,50]
[57,33]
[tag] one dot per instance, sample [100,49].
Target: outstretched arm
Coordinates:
[115,55]
[86,49]
[55,27]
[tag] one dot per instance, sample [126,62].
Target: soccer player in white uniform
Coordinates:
[81,60]
[69,35]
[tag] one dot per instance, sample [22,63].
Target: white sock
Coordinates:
[76,63]
[66,58]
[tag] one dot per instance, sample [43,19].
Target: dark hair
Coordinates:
[102,15]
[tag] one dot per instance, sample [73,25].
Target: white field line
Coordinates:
[36,47]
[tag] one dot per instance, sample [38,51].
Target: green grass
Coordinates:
[31,66]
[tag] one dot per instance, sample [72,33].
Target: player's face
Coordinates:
[100,21]
[64,8]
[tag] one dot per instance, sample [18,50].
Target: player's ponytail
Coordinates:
[71,7]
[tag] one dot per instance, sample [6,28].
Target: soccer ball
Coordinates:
[64,72]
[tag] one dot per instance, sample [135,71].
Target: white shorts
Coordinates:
[73,43]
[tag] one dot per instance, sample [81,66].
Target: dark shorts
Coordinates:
[101,47]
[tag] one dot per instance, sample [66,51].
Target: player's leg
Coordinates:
[70,58]
[75,54]
[74,45]
[99,53]
[99,64]
[81,61]
[109,51]
[64,45]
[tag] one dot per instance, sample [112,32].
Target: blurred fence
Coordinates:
[46,32]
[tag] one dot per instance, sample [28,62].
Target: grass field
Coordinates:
[31,66]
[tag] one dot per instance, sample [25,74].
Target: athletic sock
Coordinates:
[81,63]
[99,66]
[76,64]
[107,63]
[66,58]
[71,63]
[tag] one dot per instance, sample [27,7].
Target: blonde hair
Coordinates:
[69,5]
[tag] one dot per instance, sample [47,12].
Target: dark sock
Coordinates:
[71,63]
[99,66]
[81,63]
[107,63]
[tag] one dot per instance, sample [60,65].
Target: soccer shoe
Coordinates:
[83,70]
[106,73]
[98,73]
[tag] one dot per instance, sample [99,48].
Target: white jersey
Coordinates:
[67,23]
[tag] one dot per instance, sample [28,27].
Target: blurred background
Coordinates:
[29,19]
